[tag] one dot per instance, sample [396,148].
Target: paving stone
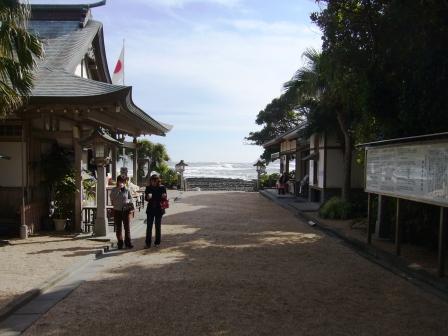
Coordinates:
[16,323]
[38,306]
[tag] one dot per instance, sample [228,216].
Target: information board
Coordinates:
[418,172]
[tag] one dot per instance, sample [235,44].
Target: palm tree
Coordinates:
[19,50]
[316,87]
[308,82]
[155,152]
[158,156]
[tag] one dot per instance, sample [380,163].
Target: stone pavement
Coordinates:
[234,263]
[28,265]
[62,284]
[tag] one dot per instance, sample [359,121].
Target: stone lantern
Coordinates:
[261,169]
[180,168]
[101,143]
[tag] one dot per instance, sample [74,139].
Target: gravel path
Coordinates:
[236,264]
[26,264]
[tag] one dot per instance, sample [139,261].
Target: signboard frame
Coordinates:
[395,195]
[430,139]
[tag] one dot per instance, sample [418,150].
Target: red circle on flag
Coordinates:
[118,67]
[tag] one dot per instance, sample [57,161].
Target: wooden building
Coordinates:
[319,159]
[72,96]
[294,146]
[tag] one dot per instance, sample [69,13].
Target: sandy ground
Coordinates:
[26,264]
[237,264]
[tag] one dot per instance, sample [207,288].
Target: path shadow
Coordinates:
[77,251]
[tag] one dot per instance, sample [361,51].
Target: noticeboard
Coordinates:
[417,172]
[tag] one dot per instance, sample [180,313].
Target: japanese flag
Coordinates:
[118,75]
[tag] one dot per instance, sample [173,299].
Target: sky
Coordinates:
[207,67]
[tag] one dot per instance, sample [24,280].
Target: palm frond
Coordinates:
[19,50]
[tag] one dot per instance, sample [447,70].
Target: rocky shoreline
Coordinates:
[219,184]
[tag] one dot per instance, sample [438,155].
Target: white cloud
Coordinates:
[245,70]
[276,28]
[205,77]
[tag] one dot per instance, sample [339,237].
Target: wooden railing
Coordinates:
[139,201]
[89,213]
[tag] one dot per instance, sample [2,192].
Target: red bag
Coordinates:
[164,203]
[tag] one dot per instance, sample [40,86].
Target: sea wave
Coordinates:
[245,171]
[234,170]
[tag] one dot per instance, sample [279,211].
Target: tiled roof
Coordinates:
[293,133]
[65,45]
[59,83]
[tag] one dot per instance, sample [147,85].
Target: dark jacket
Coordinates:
[154,207]
[284,178]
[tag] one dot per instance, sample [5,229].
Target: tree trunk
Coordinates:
[348,150]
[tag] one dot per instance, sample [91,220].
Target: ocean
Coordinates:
[244,171]
[234,170]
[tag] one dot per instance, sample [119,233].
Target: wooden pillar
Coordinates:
[135,165]
[442,242]
[282,165]
[28,159]
[398,230]
[77,225]
[23,226]
[380,225]
[100,227]
[369,218]
[114,163]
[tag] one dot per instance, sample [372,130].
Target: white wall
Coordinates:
[320,162]
[81,70]
[321,168]
[335,168]
[333,140]
[11,170]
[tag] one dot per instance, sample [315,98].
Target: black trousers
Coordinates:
[122,219]
[157,219]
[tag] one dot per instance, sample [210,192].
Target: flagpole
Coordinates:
[124,152]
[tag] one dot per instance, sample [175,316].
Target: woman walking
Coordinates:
[154,194]
[121,199]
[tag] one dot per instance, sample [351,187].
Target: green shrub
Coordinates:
[89,188]
[269,180]
[64,195]
[168,175]
[336,208]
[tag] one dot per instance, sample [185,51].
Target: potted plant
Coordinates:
[64,195]
[58,176]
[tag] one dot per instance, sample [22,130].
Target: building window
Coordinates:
[10,131]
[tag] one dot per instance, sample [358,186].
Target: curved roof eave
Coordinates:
[68,6]
[155,127]
[291,134]
[102,51]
